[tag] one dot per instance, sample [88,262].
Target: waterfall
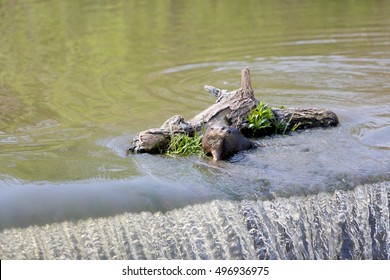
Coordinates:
[345,224]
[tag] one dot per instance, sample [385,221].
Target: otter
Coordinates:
[222,141]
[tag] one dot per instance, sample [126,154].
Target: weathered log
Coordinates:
[231,108]
[306,118]
[156,140]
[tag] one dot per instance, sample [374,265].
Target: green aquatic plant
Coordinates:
[295,127]
[260,118]
[184,145]
[281,126]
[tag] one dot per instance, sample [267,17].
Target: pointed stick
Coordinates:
[246,80]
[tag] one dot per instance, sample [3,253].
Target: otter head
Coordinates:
[222,141]
[213,140]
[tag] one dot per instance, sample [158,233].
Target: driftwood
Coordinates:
[231,108]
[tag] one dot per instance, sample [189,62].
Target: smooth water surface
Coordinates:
[78,79]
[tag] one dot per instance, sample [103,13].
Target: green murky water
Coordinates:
[78,79]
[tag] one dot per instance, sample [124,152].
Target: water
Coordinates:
[343,225]
[79,80]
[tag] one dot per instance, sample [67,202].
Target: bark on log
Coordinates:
[231,108]
[306,118]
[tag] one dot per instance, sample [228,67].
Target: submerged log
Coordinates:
[232,109]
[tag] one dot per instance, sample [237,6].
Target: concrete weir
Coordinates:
[345,224]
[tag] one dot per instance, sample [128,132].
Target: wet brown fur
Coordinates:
[222,141]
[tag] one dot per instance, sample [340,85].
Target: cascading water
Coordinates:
[343,225]
[346,224]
